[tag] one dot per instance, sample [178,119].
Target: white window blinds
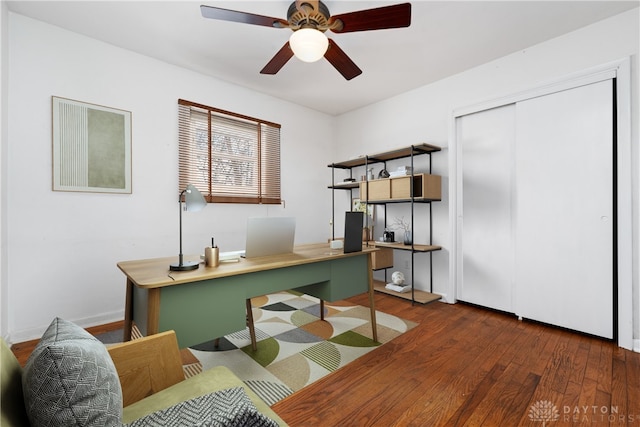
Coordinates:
[229,157]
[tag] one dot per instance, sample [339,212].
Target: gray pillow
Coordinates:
[70,380]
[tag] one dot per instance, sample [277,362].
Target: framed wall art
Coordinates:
[91,147]
[359,206]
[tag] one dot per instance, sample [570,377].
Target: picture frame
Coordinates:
[359,206]
[368,211]
[91,147]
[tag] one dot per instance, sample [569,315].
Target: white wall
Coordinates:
[425,115]
[63,247]
[4,53]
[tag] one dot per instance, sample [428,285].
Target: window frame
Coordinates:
[262,156]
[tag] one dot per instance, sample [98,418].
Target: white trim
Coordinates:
[625,205]
[621,70]
[593,75]
[85,322]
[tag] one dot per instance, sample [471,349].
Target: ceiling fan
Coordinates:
[309,20]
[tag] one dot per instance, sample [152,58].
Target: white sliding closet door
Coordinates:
[564,209]
[486,140]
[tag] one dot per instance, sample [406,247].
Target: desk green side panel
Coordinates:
[203,311]
[282,279]
[349,277]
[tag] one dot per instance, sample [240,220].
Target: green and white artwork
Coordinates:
[91,147]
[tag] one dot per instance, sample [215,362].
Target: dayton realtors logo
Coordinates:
[545,412]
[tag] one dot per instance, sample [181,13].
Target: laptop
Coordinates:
[269,236]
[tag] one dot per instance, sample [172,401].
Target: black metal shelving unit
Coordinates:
[364,161]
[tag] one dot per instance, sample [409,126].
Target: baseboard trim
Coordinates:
[86,322]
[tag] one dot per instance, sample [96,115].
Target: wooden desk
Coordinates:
[207,303]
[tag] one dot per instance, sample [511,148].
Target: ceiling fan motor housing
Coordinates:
[308,17]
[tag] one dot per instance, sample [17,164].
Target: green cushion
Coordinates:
[70,380]
[210,380]
[13,412]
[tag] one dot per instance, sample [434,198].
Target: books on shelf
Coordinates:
[398,288]
[401,171]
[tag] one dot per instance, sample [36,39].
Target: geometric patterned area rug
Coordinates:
[295,347]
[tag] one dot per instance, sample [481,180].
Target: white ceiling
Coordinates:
[445,38]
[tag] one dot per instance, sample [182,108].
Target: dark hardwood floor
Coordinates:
[465,365]
[468,366]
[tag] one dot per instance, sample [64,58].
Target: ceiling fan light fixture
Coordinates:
[308,44]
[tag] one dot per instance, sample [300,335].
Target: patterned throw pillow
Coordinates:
[70,380]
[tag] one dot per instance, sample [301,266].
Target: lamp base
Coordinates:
[185,266]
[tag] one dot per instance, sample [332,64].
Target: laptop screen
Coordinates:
[269,236]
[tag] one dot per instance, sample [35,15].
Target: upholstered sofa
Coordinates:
[73,379]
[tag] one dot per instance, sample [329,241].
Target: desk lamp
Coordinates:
[193,202]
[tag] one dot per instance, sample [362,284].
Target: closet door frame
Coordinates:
[620,71]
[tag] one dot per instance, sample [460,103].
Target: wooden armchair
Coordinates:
[151,378]
[147,365]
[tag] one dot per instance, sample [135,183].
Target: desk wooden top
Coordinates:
[155,273]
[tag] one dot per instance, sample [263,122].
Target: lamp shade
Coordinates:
[193,199]
[308,44]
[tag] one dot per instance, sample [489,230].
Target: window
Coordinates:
[229,157]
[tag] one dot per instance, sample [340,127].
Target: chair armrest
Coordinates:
[147,365]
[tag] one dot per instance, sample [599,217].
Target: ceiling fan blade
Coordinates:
[396,16]
[242,17]
[341,61]
[278,61]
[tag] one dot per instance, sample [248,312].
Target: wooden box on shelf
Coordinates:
[379,189]
[424,186]
[401,187]
[382,258]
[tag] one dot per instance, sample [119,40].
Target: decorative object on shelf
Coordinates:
[383,174]
[401,171]
[91,147]
[371,176]
[358,205]
[388,236]
[401,224]
[398,288]
[193,202]
[397,278]
[397,283]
